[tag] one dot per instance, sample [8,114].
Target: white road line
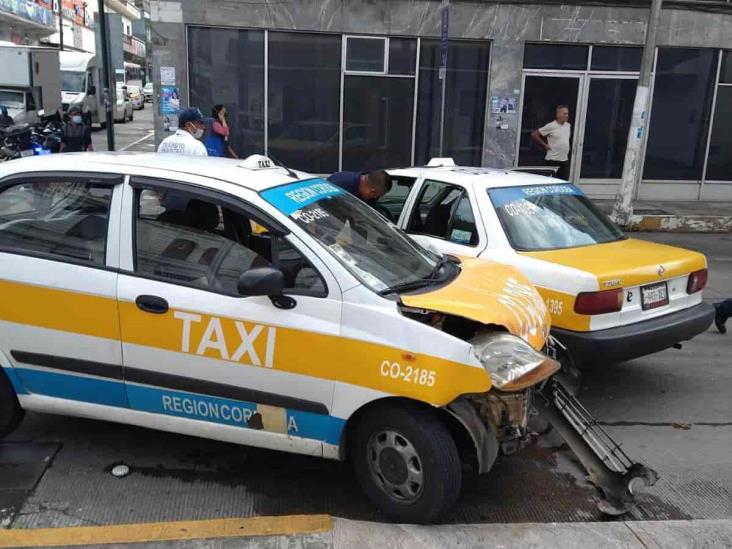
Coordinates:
[148,136]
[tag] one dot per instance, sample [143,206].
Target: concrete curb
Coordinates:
[681,223]
[324,532]
[578,535]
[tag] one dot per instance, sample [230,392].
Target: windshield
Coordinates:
[11,99]
[547,217]
[72,81]
[374,250]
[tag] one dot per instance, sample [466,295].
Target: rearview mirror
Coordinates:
[91,90]
[261,281]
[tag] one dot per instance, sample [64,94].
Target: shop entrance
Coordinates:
[600,109]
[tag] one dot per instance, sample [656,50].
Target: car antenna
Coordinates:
[290,172]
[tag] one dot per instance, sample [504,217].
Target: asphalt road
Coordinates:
[670,410]
[131,136]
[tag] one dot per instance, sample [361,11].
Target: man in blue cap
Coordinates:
[186,138]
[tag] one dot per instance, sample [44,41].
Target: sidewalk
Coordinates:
[681,217]
[325,532]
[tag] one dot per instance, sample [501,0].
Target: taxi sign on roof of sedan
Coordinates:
[179,296]
[611,298]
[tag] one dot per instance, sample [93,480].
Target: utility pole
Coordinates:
[444,34]
[623,207]
[61,25]
[108,90]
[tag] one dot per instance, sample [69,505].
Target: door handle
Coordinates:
[152,304]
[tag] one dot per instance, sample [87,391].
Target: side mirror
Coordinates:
[261,281]
[91,90]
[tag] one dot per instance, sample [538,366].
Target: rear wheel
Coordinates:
[11,414]
[407,462]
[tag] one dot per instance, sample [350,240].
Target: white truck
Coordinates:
[82,84]
[29,82]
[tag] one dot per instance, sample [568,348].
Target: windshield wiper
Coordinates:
[406,286]
[422,282]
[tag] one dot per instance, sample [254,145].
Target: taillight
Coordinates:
[697,281]
[597,303]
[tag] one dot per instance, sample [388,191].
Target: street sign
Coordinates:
[444,31]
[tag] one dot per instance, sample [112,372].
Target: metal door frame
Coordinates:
[580,134]
[581,77]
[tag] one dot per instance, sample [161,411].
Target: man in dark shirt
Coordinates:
[369,187]
[76,135]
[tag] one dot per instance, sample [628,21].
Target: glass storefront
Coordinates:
[341,102]
[719,166]
[227,67]
[680,113]
[688,138]
[466,84]
[304,92]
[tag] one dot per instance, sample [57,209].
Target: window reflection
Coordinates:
[304,99]
[682,101]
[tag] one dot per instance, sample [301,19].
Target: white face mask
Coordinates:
[76,119]
[196,132]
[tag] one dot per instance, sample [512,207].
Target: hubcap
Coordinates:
[395,466]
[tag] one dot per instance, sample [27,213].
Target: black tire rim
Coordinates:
[395,466]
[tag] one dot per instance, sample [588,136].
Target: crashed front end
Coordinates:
[506,323]
[524,381]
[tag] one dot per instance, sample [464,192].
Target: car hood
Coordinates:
[490,293]
[626,263]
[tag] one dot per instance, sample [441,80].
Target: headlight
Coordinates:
[511,362]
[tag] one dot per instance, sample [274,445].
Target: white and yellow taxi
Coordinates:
[611,298]
[248,303]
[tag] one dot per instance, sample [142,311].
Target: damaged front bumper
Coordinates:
[498,421]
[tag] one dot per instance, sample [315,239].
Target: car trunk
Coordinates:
[646,272]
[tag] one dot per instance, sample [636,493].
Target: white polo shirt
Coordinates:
[182,142]
[557,136]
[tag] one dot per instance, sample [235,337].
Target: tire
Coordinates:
[11,414]
[437,471]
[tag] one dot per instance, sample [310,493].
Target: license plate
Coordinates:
[26,152]
[654,296]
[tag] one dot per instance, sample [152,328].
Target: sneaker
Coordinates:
[719,320]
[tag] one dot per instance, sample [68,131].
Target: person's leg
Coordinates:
[554,163]
[563,172]
[723,310]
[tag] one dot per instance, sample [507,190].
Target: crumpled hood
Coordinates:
[490,293]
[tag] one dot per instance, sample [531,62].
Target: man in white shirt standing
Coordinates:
[185,140]
[554,137]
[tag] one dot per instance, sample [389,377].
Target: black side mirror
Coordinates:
[92,90]
[261,281]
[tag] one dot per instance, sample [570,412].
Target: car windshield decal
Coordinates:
[294,197]
[501,197]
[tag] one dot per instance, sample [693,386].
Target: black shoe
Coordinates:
[719,320]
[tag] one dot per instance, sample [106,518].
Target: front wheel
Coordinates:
[407,462]
[11,413]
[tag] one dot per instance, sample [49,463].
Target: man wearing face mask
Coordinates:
[76,135]
[186,138]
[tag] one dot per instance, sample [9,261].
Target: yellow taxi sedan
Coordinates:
[611,298]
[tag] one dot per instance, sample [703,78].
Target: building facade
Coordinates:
[323,85]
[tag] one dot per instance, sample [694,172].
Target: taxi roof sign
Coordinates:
[446,162]
[258,162]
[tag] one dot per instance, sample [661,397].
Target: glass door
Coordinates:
[607,110]
[543,92]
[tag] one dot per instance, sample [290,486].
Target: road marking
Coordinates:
[148,136]
[167,531]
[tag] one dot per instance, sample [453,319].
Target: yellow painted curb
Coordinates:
[167,531]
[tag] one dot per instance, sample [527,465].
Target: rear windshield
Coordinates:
[548,217]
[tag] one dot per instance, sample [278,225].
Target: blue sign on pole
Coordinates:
[444,31]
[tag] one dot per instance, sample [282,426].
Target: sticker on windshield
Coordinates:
[500,197]
[296,196]
[462,237]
